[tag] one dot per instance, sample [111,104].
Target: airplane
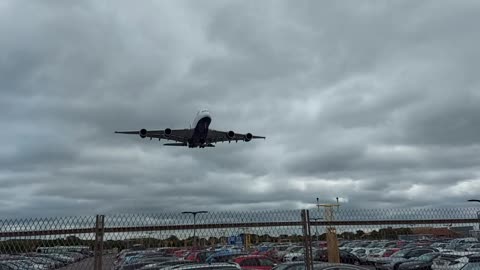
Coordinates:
[200,135]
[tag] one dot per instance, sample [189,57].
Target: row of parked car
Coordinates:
[454,254]
[382,255]
[211,260]
[35,260]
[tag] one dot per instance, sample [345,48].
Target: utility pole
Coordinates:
[332,243]
[194,224]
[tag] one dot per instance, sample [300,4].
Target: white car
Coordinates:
[294,256]
[454,260]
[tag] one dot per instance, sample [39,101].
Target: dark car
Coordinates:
[345,257]
[210,266]
[337,266]
[403,255]
[167,264]
[298,265]
[420,263]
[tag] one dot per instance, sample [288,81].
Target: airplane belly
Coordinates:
[201,131]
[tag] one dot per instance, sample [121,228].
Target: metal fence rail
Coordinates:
[100,238]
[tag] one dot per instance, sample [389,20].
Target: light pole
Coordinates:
[194,213]
[316,228]
[478,212]
[318,210]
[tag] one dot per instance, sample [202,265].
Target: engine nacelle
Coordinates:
[231,134]
[142,133]
[167,131]
[248,137]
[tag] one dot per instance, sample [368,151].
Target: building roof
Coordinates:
[438,232]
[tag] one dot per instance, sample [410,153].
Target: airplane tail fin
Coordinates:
[175,144]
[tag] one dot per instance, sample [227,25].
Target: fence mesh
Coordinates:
[373,238]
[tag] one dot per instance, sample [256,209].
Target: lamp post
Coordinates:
[478,212]
[194,213]
[316,228]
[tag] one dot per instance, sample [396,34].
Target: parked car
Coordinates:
[403,255]
[165,265]
[257,262]
[294,255]
[419,263]
[210,266]
[454,260]
[198,256]
[337,266]
[345,257]
[298,265]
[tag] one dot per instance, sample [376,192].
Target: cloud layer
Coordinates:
[375,103]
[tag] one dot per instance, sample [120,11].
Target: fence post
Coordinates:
[307,237]
[99,231]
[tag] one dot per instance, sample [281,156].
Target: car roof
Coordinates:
[331,265]
[252,256]
[460,253]
[207,265]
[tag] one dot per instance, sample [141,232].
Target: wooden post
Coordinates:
[332,243]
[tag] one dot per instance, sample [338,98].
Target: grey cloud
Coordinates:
[374,103]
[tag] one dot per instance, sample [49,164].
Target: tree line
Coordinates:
[31,245]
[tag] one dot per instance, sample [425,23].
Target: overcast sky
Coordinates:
[376,102]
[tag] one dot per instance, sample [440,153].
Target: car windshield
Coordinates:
[296,249]
[400,253]
[426,257]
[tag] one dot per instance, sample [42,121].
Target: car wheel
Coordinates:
[356,262]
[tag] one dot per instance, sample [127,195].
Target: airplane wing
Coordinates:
[178,135]
[225,136]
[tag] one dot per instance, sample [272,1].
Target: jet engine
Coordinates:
[248,137]
[231,134]
[142,133]
[167,131]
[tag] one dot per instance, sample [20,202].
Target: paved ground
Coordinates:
[87,264]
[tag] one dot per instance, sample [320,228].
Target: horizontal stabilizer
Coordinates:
[174,144]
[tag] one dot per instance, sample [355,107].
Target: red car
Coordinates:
[198,256]
[180,253]
[255,262]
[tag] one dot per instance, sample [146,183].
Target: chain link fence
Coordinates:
[253,240]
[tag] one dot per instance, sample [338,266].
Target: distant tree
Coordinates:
[359,234]
[347,235]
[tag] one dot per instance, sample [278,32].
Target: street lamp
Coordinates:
[194,213]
